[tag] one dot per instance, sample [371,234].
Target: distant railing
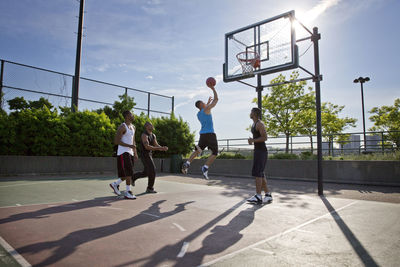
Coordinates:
[31,82]
[377,142]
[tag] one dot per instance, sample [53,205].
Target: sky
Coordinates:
[170,47]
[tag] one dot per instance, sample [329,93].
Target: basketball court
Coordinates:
[76,221]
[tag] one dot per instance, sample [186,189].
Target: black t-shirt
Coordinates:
[150,139]
[256,134]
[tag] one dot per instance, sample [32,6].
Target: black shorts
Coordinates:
[125,165]
[209,140]
[259,162]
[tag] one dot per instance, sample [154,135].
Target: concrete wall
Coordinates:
[19,165]
[359,172]
[362,172]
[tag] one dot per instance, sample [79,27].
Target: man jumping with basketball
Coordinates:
[260,158]
[208,137]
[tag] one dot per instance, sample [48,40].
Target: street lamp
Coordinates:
[362,80]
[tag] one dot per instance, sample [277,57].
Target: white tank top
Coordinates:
[127,138]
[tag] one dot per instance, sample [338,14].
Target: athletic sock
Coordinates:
[187,162]
[259,196]
[128,188]
[118,181]
[205,166]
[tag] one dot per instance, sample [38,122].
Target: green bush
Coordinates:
[284,156]
[307,155]
[36,128]
[228,155]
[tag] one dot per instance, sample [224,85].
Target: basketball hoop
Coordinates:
[249,61]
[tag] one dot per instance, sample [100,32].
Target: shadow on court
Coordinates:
[362,253]
[46,212]
[68,245]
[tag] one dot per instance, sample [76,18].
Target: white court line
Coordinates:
[21,260]
[19,205]
[274,236]
[179,227]
[151,214]
[263,251]
[304,231]
[183,250]
[75,200]
[111,208]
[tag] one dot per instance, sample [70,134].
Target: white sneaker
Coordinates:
[185,168]
[254,199]
[115,188]
[128,195]
[204,171]
[267,199]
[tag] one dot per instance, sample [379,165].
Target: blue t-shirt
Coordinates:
[206,122]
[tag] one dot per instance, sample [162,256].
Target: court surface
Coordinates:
[77,221]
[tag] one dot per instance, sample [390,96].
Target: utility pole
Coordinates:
[75,87]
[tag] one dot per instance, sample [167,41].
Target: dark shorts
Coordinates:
[259,162]
[125,165]
[209,140]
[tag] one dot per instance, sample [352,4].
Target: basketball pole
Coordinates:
[317,79]
[259,92]
[75,88]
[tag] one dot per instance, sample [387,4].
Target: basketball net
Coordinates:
[249,60]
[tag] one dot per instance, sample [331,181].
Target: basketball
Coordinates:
[211,82]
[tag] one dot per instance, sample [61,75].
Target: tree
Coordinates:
[282,105]
[115,113]
[332,124]
[387,118]
[307,117]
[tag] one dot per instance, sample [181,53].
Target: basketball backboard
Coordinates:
[265,47]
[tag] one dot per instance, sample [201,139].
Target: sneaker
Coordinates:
[204,171]
[267,199]
[115,188]
[254,199]
[129,195]
[151,191]
[185,168]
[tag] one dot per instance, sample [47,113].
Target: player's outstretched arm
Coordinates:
[213,102]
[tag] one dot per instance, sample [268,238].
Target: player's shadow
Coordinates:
[67,245]
[46,212]
[221,238]
[362,253]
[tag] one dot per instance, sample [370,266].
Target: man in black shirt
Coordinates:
[260,158]
[148,145]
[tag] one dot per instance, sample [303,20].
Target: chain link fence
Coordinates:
[336,144]
[20,80]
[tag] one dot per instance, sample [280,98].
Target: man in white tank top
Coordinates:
[126,154]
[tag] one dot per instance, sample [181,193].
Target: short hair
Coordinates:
[257,111]
[147,124]
[125,113]
[197,104]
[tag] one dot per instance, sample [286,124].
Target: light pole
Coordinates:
[362,80]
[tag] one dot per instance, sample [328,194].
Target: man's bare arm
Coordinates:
[213,102]
[261,129]
[146,144]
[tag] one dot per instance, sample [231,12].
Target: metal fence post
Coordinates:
[383,143]
[1,84]
[227,145]
[173,104]
[148,105]
[126,92]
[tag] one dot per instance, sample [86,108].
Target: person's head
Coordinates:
[148,127]
[128,116]
[200,104]
[255,113]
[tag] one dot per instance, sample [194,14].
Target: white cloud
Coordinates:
[149,77]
